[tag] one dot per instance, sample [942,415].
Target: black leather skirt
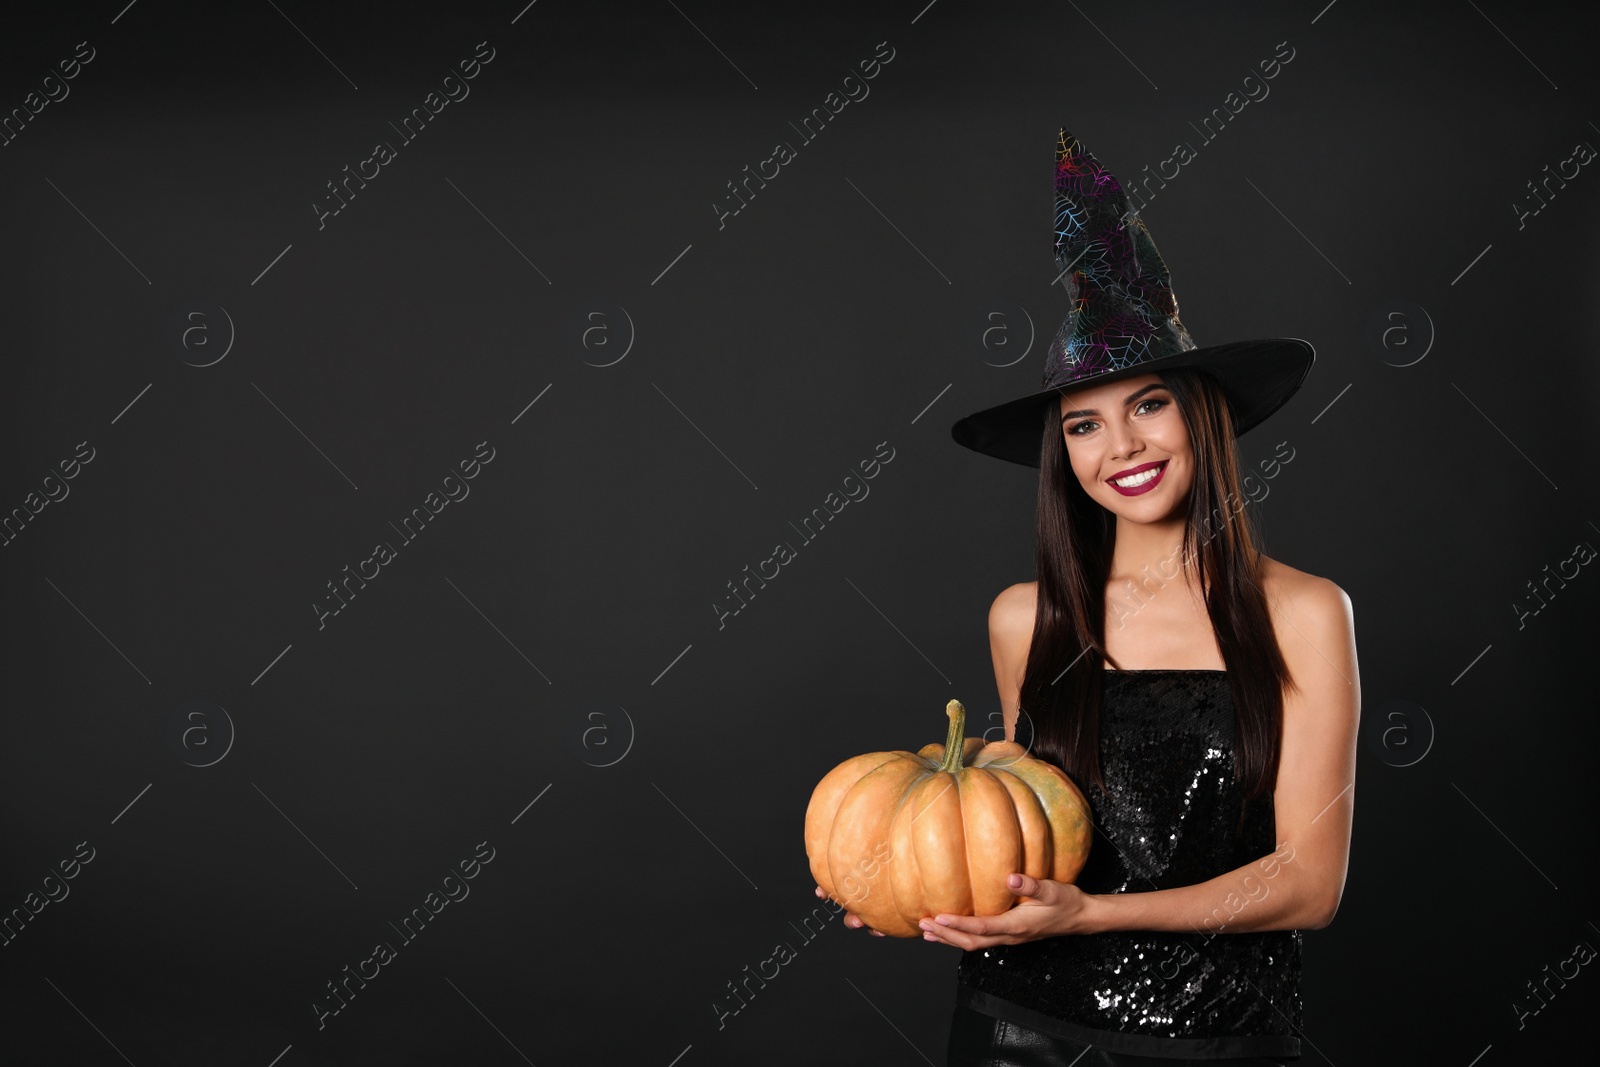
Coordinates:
[979,1040]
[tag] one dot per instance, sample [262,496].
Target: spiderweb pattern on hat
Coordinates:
[1123,308]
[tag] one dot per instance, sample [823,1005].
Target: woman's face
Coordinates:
[1129,429]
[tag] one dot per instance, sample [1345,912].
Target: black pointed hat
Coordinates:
[1124,321]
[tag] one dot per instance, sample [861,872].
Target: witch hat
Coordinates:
[1124,321]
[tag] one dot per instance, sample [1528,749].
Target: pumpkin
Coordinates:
[898,836]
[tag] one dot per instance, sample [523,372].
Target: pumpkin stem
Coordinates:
[955,740]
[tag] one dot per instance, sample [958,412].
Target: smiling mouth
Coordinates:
[1142,480]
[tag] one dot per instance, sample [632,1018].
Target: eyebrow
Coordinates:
[1130,398]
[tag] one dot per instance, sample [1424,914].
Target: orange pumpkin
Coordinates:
[897,836]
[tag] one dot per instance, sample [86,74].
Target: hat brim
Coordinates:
[1258,377]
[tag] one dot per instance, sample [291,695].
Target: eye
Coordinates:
[1078,429]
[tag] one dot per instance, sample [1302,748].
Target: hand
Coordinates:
[850,919]
[1046,909]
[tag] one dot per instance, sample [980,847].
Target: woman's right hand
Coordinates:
[851,919]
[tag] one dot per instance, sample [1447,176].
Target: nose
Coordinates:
[1122,442]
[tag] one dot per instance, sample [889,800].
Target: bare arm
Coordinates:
[1010,636]
[1298,886]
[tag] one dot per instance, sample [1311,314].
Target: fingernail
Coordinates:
[929,937]
[942,921]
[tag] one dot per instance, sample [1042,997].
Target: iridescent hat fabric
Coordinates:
[1123,321]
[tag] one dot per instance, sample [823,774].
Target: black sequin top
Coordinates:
[1169,818]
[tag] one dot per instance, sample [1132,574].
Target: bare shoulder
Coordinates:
[1011,618]
[1302,595]
[1011,638]
[1316,616]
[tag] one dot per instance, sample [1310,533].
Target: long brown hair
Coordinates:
[1062,680]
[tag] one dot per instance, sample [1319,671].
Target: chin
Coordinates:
[1160,504]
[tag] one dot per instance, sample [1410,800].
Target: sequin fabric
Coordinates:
[1169,817]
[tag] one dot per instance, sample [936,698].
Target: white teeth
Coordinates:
[1136,479]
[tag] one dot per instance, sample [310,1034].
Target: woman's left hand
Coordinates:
[1046,909]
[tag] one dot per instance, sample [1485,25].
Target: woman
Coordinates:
[1203,696]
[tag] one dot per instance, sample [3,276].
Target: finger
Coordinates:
[967,924]
[971,931]
[1025,885]
[856,922]
[949,935]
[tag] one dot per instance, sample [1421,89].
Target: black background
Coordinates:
[561,616]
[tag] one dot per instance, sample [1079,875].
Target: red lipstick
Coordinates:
[1160,467]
